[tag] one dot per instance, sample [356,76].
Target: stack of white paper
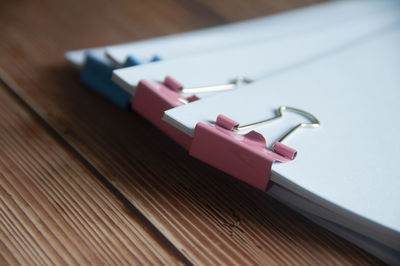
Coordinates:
[345,175]
[339,61]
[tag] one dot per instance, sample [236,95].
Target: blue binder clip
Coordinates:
[96,74]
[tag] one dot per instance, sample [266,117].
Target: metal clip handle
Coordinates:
[222,87]
[314,121]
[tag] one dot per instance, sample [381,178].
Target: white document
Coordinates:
[349,165]
[226,35]
[260,59]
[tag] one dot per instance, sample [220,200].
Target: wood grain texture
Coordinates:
[240,10]
[54,211]
[210,217]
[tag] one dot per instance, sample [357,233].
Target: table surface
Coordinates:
[84,182]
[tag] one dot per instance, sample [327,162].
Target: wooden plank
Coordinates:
[240,10]
[210,217]
[53,210]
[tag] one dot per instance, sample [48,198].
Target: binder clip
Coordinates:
[244,156]
[97,72]
[152,99]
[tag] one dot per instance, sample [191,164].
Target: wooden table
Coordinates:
[84,182]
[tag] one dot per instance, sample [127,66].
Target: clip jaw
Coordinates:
[152,99]
[96,74]
[247,156]
[163,96]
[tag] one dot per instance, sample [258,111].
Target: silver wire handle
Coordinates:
[222,87]
[314,121]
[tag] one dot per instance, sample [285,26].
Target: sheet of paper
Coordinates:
[349,164]
[225,35]
[260,59]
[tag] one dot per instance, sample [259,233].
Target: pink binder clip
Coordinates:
[246,156]
[152,99]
